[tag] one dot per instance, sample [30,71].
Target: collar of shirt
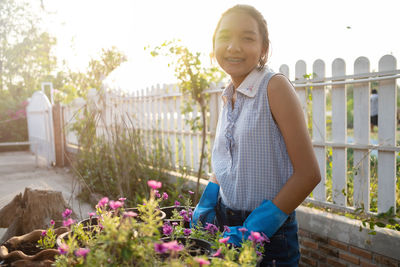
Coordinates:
[249,86]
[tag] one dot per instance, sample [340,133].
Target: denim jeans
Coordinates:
[283,248]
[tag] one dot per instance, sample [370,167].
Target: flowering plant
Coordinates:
[48,237]
[116,236]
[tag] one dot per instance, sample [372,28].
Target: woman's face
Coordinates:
[238,45]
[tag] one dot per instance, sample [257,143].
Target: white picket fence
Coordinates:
[157,111]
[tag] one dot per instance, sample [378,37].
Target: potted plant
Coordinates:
[121,239]
[38,246]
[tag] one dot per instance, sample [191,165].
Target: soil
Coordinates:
[27,248]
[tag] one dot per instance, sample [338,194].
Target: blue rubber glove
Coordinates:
[205,209]
[266,218]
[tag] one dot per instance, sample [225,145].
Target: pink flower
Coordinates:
[68,222]
[160,248]
[187,231]
[202,261]
[174,223]
[177,203]
[224,240]
[91,214]
[63,249]
[154,184]
[173,246]
[82,252]
[242,230]
[102,202]
[218,253]
[256,237]
[122,199]
[130,214]
[211,228]
[227,229]
[115,204]
[180,196]
[165,196]
[52,222]
[44,233]
[182,212]
[66,213]
[186,218]
[167,229]
[191,192]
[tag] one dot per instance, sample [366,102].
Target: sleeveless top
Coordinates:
[249,156]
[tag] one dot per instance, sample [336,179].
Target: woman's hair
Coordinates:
[262,26]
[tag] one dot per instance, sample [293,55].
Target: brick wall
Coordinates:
[323,251]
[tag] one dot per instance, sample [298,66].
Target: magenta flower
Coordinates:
[186,218]
[82,252]
[66,213]
[165,196]
[202,261]
[182,212]
[191,192]
[160,248]
[258,253]
[44,233]
[224,240]
[180,196]
[256,237]
[173,246]
[177,203]
[129,214]
[218,253]
[102,202]
[174,223]
[167,229]
[211,228]
[68,222]
[115,204]
[157,194]
[52,222]
[91,214]
[242,230]
[266,239]
[154,184]
[227,229]
[187,231]
[63,249]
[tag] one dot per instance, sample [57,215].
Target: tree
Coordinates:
[97,71]
[194,79]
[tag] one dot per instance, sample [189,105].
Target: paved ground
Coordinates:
[19,170]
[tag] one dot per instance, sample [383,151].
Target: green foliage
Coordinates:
[121,238]
[48,239]
[194,80]
[117,162]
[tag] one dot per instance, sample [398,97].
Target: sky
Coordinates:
[306,30]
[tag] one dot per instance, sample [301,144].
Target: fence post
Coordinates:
[361,136]
[339,126]
[300,71]
[58,123]
[387,136]
[319,126]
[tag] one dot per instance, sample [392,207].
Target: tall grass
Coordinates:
[117,160]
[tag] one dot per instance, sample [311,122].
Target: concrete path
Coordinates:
[19,170]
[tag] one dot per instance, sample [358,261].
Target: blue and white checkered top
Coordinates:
[249,156]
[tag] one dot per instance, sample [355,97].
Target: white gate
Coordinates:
[40,127]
